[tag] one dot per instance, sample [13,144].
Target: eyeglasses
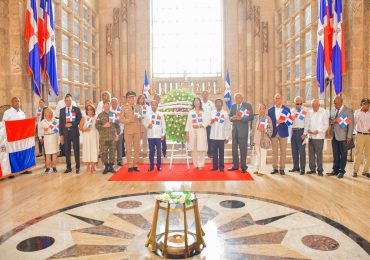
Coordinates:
[298,104]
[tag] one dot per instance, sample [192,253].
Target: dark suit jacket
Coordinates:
[282,129]
[241,126]
[74,131]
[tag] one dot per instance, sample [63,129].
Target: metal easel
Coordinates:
[179,155]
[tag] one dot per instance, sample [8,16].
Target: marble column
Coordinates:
[123,49]
[257,57]
[108,35]
[132,46]
[249,35]
[241,47]
[265,63]
[116,56]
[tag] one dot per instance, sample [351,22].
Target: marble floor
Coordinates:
[69,216]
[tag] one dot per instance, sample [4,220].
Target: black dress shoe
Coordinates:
[136,169]
[294,170]
[282,172]
[301,173]
[214,169]
[77,171]
[332,173]
[366,174]
[27,172]
[340,175]
[222,170]
[130,169]
[354,174]
[47,170]
[151,169]
[274,172]
[244,170]
[68,171]
[111,169]
[320,174]
[55,170]
[232,169]
[120,164]
[159,169]
[311,172]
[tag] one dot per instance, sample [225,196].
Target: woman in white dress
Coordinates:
[196,134]
[49,127]
[90,139]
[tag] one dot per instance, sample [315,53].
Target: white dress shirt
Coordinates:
[157,131]
[278,112]
[61,104]
[220,131]
[13,114]
[299,123]
[318,121]
[362,121]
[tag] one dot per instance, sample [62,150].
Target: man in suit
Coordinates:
[240,115]
[69,118]
[341,136]
[279,135]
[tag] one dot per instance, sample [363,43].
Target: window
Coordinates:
[86,93]
[280,57]
[85,13]
[280,36]
[279,17]
[64,20]
[308,91]
[296,24]
[85,31]
[94,96]
[287,29]
[288,52]
[307,41]
[280,75]
[174,27]
[308,66]
[287,11]
[66,89]
[93,20]
[65,69]
[77,94]
[297,70]
[288,73]
[94,77]
[76,50]
[288,96]
[76,27]
[75,6]
[297,47]
[93,58]
[296,5]
[76,72]
[307,16]
[297,90]
[86,55]
[65,44]
[86,75]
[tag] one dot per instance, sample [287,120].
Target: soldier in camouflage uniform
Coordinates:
[108,136]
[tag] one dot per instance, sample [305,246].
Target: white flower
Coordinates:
[165,197]
[182,199]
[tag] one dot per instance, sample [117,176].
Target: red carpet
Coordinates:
[179,172]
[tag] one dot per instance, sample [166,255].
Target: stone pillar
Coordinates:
[249,35]
[123,49]
[132,46]
[257,57]
[108,35]
[116,56]
[265,64]
[241,48]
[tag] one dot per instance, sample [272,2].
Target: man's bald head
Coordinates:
[338,102]
[315,104]
[16,103]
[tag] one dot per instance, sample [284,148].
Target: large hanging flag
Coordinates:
[17,152]
[339,61]
[227,94]
[324,43]
[41,36]
[33,46]
[50,49]
[146,86]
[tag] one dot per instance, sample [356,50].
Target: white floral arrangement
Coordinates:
[175,197]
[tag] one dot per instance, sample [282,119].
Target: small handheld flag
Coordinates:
[300,114]
[343,121]
[156,120]
[286,117]
[39,112]
[144,109]
[263,124]
[54,126]
[227,94]
[196,118]
[88,122]
[136,114]
[220,118]
[244,113]
[71,117]
[112,118]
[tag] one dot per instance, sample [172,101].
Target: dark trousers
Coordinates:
[164,146]
[298,150]
[209,141]
[123,144]
[68,142]
[218,151]
[239,141]
[340,155]
[315,150]
[154,145]
[40,145]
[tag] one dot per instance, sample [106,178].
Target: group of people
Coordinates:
[116,129]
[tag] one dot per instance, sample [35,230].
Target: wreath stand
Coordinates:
[179,155]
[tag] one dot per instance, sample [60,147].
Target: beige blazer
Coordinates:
[261,139]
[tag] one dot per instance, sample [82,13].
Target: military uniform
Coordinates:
[131,133]
[106,139]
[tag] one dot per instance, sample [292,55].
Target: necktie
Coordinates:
[67,112]
[337,113]
[132,108]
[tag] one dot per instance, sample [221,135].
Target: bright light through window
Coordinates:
[186,38]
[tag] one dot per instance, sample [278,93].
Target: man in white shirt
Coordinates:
[299,133]
[116,109]
[208,107]
[156,130]
[220,135]
[318,123]
[15,112]
[104,96]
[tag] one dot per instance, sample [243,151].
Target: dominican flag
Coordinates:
[220,118]
[54,126]
[17,152]
[33,46]
[112,118]
[244,113]
[70,117]
[339,61]
[300,114]
[39,112]
[343,121]
[324,43]
[156,120]
[144,109]
[286,117]
[227,94]
[41,36]
[136,114]
[88,122]
[263,123]
[146,86]
[50,49]
[196,118]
